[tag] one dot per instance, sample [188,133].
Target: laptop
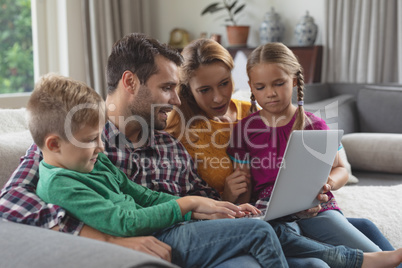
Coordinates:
[304,170]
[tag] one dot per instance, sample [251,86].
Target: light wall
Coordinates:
[167,15]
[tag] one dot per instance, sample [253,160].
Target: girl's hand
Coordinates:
[236,184]
[312,212]
[327,187]
[309,213]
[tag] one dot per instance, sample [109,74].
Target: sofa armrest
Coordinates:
[378,152]
[28,246]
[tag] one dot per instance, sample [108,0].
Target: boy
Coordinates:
[66,119]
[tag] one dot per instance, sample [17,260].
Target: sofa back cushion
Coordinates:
[15,139]
[338,112]
[380,109]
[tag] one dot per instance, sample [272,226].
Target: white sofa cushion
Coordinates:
[374,151]
[15,139]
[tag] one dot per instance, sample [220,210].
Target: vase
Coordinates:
[271,29]
[306,31]
[237,35]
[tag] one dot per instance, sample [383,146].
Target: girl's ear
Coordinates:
[294,81]
[52,143]
[130,81]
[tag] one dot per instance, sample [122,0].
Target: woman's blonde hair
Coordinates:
[282,56]
[51,102]
[199,52]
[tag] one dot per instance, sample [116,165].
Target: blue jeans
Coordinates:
[208,243]
[294,245]
[369,229]
[333,228]
[249,262]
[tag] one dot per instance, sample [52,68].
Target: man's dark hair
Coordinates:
[136,52]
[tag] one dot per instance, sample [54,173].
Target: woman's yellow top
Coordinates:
[209,149]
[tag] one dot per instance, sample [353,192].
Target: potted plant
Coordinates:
[237,35]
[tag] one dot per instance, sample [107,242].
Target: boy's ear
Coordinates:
[130,81]
[52,143]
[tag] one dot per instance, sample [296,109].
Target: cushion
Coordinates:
[15,139]
[12,147]
[29,246]
[379,109]
[338,112]
[374,151]
[352,179]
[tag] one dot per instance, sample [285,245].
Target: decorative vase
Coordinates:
[306,31]
[271,29]
[237,35]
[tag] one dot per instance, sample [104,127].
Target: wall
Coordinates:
[171,14]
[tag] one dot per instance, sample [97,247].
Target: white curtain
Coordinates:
[105,22]
[363,41]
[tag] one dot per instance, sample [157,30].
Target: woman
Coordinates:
[207,115]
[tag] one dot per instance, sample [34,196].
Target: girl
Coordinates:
[273,72]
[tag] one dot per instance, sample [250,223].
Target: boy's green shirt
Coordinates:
[107,200]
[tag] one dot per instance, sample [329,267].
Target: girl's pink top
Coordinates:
[263,147]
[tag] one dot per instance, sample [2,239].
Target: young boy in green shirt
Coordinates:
[66,118]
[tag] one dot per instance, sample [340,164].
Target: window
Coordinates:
[16,53]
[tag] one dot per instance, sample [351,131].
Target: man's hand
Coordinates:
[236,184]
[145,244]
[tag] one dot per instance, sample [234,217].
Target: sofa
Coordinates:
[367,113]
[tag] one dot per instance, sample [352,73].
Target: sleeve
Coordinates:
[237,150]
[19,202]
[149,198]
[125,218]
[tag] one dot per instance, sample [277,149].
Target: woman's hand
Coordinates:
[236,184]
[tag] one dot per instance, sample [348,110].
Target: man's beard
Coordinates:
[142,108]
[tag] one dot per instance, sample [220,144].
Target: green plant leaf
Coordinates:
[240,8]
[232,5]
[212,8]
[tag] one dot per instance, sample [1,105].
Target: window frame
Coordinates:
[57,44]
